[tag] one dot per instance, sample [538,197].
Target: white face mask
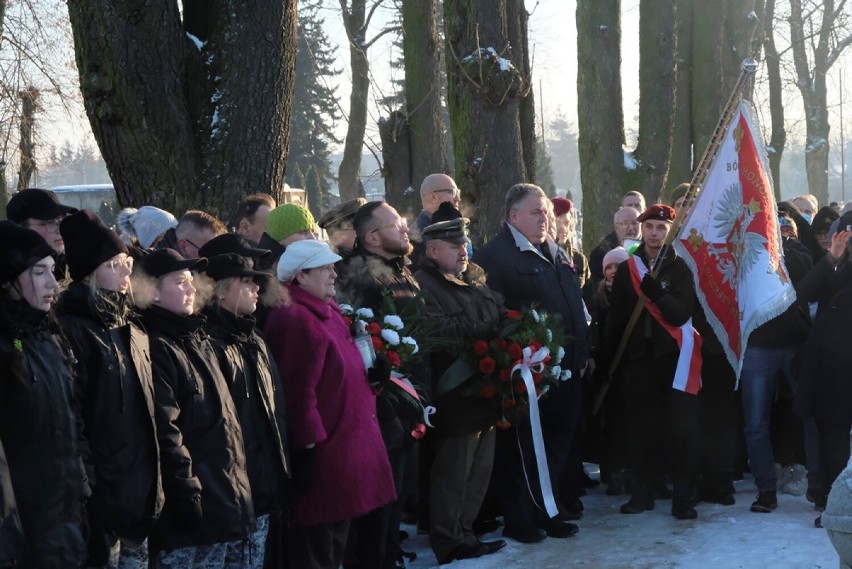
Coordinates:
[808,217]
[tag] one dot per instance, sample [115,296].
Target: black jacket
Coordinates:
[115,391]
[466,309]
[12,541]
[791,327]
[41,433]
[649,338]
[825,388]
[363,280]
[525,277]
[201,443]
[256,389]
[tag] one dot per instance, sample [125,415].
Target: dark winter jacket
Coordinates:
[41,434]
[648,338]
[791,327]
[825,387]
[362,282]
[201,443]
[12,541]
[115,391]
[256,389]
[525,277]
[466,309]
[269,263]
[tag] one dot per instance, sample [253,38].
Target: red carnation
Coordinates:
[535,345]
[505,374]
[515,351]
[378,345]
[374,329]
[487,365]
[347,321]
[503,424]
[508,403]
[393,358]
[487,391]
[513,314]
[480,347]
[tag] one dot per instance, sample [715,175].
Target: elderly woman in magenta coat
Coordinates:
[340,467]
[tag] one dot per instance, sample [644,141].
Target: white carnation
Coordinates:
[411,342]
[566,375]
[555,371]
[390,337]
[560,354]
[365,313]
[393,321]
[534,315]
[346,309]
[549,335]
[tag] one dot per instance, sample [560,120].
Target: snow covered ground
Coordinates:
[722,537]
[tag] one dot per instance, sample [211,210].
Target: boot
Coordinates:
[767,501]
[639,503]
[683,509]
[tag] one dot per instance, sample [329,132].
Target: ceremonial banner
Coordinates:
[732,242]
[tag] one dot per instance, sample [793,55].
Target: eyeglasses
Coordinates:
[191,243]
[455,191]
[400,225]
[50,224]
[114,265]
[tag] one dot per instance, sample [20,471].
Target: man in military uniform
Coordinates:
[659,373]
[463,439]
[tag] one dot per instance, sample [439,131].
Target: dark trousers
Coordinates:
[317,547]
[461,469]
[665,422]
[720,409]
[833,450]
[515,472]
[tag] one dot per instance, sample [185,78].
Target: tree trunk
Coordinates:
[778,137]
[354,20]
[188,122]
[486,85]
[682,153]
[423,78]
[26,146]
[398,158]
[600,116]
[518,35]
[657,81]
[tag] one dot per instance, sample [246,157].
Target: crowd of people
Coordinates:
[186,393]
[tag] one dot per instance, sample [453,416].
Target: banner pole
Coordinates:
[747,68]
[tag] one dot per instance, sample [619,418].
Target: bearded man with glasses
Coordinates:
[41,211]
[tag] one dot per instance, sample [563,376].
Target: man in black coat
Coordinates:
[657,411]
[463,440]
[519,266]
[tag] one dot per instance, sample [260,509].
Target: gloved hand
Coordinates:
[303,469]
[186,514]
[379,374]
[652,288]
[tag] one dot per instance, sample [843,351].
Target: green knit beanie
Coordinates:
[287,219]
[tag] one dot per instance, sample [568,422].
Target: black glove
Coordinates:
[186,514]
[379,374]
[652,288]
[303,469]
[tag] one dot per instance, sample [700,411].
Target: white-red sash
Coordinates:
[688,373]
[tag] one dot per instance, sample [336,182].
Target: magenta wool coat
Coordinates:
[329,403]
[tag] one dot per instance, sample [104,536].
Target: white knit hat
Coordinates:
[146,223]
[617,255]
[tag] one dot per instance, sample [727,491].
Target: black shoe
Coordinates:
[493,546]
[767,501]
[637,505]
[472,552]
[572,509]
[724,498]
[525,534]
[818,497]
[481,527]
[683,509]
[558,527]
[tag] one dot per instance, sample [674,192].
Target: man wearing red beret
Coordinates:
[660,370]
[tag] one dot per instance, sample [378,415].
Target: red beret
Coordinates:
[561,206]
[659,212]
